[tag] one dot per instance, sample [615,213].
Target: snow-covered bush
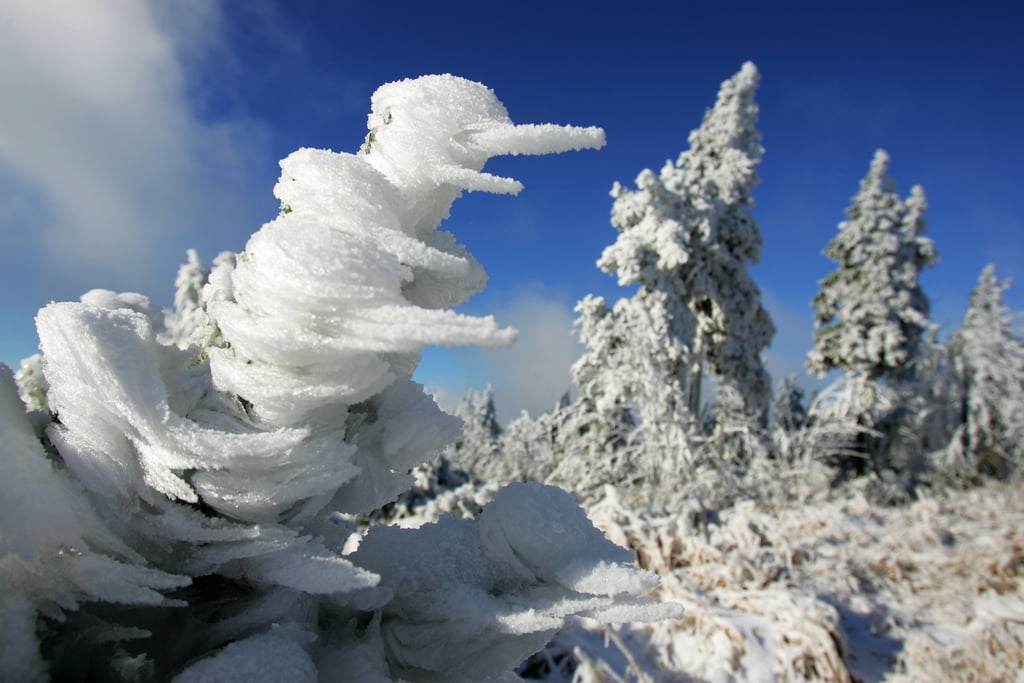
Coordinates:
[185,512]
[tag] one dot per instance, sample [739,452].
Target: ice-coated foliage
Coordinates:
[187,512]
[32,383]
[187,317]
[871,313]
[478,448]
[687,234]
[501,583]
[630,404]
[988,356]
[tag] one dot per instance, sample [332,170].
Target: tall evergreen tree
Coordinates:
[686,238]
[871,312]
[989,358]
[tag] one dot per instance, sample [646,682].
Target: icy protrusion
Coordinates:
[342,283]
[117,429]
[194,471]
[431,137]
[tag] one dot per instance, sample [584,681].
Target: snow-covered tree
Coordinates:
[188,315]
[687,234]
[789,411]
[185,514]
[529,447]
[871,312]
[988,354]
[478,447]
[609,375]
[629,422]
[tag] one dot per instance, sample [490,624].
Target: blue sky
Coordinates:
[132,130]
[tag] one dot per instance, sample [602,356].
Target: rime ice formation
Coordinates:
[500,584]
[192,465]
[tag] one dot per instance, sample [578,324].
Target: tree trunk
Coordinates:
[696,372]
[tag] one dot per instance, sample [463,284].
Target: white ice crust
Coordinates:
[193,463]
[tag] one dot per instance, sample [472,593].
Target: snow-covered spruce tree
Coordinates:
[179,517]
[478,447]
[606,378]
[529,447]
[687,234]
[789,411]
[187,316]
[871,312]
[988,356]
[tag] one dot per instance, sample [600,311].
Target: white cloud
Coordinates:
[96,121]
[533,373]
[530,375]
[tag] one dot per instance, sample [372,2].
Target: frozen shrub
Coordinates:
[186,514]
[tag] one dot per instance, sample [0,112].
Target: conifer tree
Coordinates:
[623,383]
[686,238]
[989,358]
[478,448]
[188,315]
[788,408]
[871,312]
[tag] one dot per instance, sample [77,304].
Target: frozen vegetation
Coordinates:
[178,499]
[250,486]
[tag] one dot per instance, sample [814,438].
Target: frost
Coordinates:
[176,505]
[837,590]
[471,599]
[871,313]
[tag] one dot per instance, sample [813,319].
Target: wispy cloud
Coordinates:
[533,373]
[97,124]
[530,375]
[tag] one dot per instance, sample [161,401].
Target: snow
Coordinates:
[839,589]
[199,465]
[200,494]
[266,657]
[470,599]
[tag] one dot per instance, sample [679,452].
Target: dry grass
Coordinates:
[837,589]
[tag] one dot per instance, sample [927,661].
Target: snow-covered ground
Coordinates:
[835,589]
